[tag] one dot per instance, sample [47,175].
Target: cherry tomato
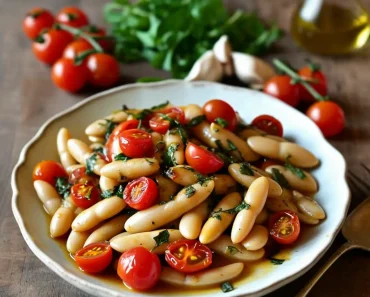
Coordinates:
[95,257]
[136,143]
[284,227]
[281,87]
[48,171]
[268,163]
[75,48]
[68,76]
[103,70]
[216,108]
[51,45]
[188,256]
[319,85]
[202,160]
[36,20]
[79,176]
[268,124]
[98,33]
[72,16]
[328,116]
[85,195]
[161,125]
[141,193]
[139,269]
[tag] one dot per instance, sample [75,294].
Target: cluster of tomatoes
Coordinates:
[76,49]
[328,115]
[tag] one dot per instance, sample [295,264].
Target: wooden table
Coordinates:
[28,98]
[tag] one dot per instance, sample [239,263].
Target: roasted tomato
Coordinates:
[268,124]
[141,193]
[85,195]
[136,143]
[95,257]
[284,227]
[48,171]
[222,113]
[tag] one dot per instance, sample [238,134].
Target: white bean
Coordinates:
[183,175]
[166,187]
[65,156]
[284,202]
[76,241]
[223,183]
[159,146]
[256,239]
[71,168]
[173,139]
[107,184]
[262,216]
[98,140]
[61,221]
[308,206]
[99,127]
[191,222]
[252,131]
[191,111]
[303,218]
[48,196]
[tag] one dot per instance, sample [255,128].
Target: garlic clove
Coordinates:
[223,52]
[207,67]
[252,70]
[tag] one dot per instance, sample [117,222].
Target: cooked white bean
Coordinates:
[108,230]
[256,197]
[95,146]
[183,175]
[144,239]
[252,131]
[284,202]
[94,139]
[223,183]
[130,169]
[218,223]
[48,196]
[159,145]
[97,213]
[246,180]
[262,216]
[225,247]
[159,215]
[61,221]
[76,241]
[71,168]
[308,206]
[81,152]
[191,222]
[106,183]
[303,218]
[307,184]
[191,111]
[256,239]
[203,132]
[99,127]
[173,139]
[166,187]
[65,156]
[204,278]
[273,149]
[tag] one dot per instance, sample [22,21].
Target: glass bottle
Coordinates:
[331,27]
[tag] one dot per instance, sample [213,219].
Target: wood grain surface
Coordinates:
[28,98]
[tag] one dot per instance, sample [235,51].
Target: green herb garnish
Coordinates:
[232,146]
[99,149]
[232,250]
[161,238]
[121,157]
[222,122]
[169,156]
[110,126]
[280,179]
[149,79]
[296,171]
[275,261]
[196,121]
[216,214]
[160,106]
[117,191]
[246,169]
[226,287]
[150,162]
[62,186]
[90,163]
[190,191]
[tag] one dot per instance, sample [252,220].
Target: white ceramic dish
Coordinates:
[333,195]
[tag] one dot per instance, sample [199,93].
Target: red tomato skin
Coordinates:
[328,116]
[320,86]
[148,193]
[75,48]
[48,171]
[134,146]
[94,264]
[106,44]
[68,76]
[139,269]
[78,196]
[103,70]
[36,20]
[159,125]
[273,126]
[78,19]
[280,87]
[201,160]
[79,176]
[294,221]
[217,108]
[55,41]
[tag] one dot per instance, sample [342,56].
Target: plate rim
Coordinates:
[91,287]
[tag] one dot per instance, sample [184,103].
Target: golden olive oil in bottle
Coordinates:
[331,27]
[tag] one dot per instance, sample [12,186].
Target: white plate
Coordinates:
[333,195]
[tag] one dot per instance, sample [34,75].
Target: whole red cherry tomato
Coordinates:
[36,20]
[103,70]
[222,113]
[95,257]
[75,48]
[281,87]
[72,16]
[48,171]
[68,76]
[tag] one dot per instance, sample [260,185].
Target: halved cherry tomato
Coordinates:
[188,256]
[75,48]
[68,76]
[268,124]
[72,16]
[284,227]
[161,125]
[281,87]
[202,160]
[328,116]
[103,70]
[95,257]
[219,109]
[79,176]
[51,45]
[139,269]
[136,143]
[85,195]
[36,20]
[319,83]
[268,163]
[48,171]
[141,193]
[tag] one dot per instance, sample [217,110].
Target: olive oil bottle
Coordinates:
[331,27]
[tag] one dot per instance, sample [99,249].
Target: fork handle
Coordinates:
[340,251]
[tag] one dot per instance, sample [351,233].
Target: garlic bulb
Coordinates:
[207,67]
[223,52]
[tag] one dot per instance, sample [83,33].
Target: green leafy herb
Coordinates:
[160,106]
[62,186]
[280,179]
[171,198]
[90,163]
[110,126]
[232,146]
[222,122]
[226,287]
[190,191]
[238,208]
[296,171]
[142,115]
[246,169]
[232,250]
[275,261]
[149,79]
[169,156]
[183,134]
[121,157]
[117,191]
[196,121]
[99,149]
[150,162]
[216,214]
[161,238]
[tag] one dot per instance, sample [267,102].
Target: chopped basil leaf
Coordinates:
[275,261]
[150,162]
[121,157]
[226,287]
[90,163]
[219,145]
[196,121]
[161,238]
[216,214]
[99,149]
[190,191]
[280,179]
[62,186]
[222,122]
[232,146]
[106,194]
[160,106]
[246,169]
[110,126]
[296,171]
[143,114]
[232,250]
[117,191]
[183,134]
[169,156]
[238,208]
